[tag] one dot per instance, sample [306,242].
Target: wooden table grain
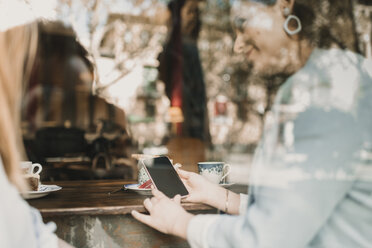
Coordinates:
[87,216]
[93,198]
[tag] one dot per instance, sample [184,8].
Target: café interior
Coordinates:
[103,93]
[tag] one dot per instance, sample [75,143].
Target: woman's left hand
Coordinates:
[166,215]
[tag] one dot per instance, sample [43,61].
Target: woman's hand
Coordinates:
[203,191]
[166,215]
[200,189]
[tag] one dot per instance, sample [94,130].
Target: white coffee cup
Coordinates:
[142,173]
[215,172]
[28,167]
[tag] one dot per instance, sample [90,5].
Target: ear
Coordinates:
[285,6]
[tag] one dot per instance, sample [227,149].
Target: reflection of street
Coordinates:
[129,34]
[71,131]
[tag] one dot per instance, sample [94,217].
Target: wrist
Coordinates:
[180,228]
[217,199]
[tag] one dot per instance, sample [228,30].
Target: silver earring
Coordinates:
[286,23]
[286,11]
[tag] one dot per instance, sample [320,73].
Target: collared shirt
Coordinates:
[20,224]
[311,179]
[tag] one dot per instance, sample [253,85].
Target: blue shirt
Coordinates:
[311,179]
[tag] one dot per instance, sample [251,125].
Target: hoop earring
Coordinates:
[286,23]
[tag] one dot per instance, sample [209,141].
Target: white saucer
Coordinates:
[42,191]
[226,185]
[134,188]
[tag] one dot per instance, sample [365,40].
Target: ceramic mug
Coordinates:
[142,173]
[28,167]
[215,172]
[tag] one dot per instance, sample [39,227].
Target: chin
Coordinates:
[263,71]
[269,71]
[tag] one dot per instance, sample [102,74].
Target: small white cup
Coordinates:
[215,172]
[142,174]
[28,167]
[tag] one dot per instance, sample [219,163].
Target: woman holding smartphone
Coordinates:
[311,179]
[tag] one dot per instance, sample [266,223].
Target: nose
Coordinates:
[239,44]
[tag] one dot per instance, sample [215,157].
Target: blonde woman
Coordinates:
[20,225]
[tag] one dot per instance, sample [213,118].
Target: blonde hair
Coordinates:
[18,49]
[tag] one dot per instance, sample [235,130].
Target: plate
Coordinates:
[134,188]
[43,191]
[226,185]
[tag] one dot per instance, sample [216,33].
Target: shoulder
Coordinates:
[332,64]
[16,221]
[20,225]
[331,78]
[329,57]
[336,66]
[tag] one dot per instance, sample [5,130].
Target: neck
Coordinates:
[301,53]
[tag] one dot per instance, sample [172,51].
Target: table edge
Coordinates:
[111,210]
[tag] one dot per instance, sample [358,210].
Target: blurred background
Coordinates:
[115,78]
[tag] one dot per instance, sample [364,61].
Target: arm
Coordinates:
[203,191]
[293,197]
[278,218]
[223,198]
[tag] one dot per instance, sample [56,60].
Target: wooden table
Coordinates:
[87,216]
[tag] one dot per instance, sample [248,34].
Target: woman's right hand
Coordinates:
[200,189]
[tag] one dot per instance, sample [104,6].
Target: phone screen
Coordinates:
[165,177]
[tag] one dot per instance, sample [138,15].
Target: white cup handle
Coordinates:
[40,168]
[228,168]
[177,165]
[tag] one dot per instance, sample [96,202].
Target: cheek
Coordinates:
[265,45]
[267,57]
[270,46]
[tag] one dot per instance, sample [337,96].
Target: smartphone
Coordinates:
[164,176]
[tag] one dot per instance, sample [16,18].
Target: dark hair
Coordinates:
[175,6]
[320,22]
[267,2]
[303,12]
